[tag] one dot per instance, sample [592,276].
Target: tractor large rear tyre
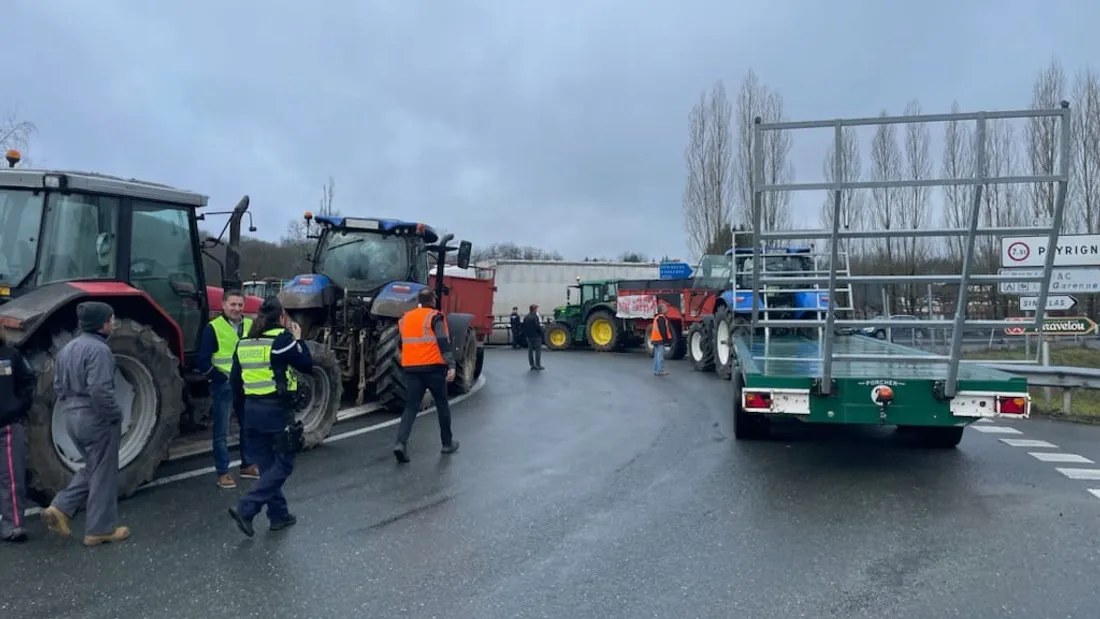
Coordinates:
[389,379]
[700,348]
[150,392]
[603,331]
[326,388]
[479,365]
[465,365]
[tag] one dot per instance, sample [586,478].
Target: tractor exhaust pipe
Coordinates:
[232,277]
[440,263]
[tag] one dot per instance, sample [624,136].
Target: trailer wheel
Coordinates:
[699,347]
[388,379]
[723,342]
[558,336]
[148,388]
[322,391]
[746,426]
[679,343]
[465,365]
[940,437]
[603,331]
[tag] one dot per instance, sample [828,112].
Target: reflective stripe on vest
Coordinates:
[254,357]
[418,341]
[227,342]
[655,333]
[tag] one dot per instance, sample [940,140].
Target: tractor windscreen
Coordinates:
[714,271]
[363,260]
[20,227]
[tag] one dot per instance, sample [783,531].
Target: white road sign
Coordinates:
[1073,250]
[1062,281]
[1055,303]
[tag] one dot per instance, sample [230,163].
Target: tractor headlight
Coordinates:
[53,181]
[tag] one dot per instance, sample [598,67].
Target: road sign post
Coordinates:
[1069,325]
[1055,303]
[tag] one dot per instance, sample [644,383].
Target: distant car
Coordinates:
[903,334]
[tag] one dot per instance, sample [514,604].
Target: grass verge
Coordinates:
[1086,402]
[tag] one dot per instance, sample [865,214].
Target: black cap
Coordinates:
[92,315]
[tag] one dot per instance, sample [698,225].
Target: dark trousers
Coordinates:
[534,351]
[12,478]
[416,383]
[275,466]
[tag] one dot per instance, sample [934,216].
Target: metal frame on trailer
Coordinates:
[978,181]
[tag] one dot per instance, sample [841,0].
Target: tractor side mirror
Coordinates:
[183,284]
[465,249]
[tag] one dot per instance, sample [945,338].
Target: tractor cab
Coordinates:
[89,233]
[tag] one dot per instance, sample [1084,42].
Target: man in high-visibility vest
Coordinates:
[661,336]
[215,359]
[429,364]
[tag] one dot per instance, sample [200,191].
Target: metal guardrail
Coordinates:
[1064,377]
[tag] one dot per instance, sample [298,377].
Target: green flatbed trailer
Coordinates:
[835,378]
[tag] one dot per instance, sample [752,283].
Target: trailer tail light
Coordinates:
[1011,405]
[755,400]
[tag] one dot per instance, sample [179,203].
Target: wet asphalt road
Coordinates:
[594,489]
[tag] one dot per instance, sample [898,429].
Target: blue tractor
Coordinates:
[365,275]
[709,340]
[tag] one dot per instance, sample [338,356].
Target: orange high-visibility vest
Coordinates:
[655,332]
[418,341]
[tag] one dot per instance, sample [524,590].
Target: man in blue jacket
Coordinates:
[215,359]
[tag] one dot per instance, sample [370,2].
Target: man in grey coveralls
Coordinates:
[84,384]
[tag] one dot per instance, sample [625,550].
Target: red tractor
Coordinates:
[68,237]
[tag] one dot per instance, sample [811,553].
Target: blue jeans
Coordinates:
[222,395]
[658,358]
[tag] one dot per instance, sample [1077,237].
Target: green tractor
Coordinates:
[591,321]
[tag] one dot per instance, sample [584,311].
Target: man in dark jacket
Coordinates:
[516,324]
[16,396]
[84,385]
[532,331]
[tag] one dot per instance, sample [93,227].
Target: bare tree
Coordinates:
[851,169]
[958,162]
[1043,137]
[914,212]
[707,199]
[754,100]
[886,166]
[1086,147]
[327,192]
[15,133]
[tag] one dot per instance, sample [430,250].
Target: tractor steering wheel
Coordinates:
[144,267]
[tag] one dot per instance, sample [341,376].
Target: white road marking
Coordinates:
[1028,442]
[1095,492]
[996,429]
[984,420]
[1090,474]
[1046,456]
[331,439]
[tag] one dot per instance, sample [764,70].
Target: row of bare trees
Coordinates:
[719,185]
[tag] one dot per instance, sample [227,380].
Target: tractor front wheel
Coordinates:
[700,348]
[558,336]
[321,392]
[148,388]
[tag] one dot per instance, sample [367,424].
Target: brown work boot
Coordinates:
[120,534]
[56,521]
[226,482]
[250,472]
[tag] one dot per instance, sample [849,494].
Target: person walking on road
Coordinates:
[660,334]
[428,362]
[532,330]
[516,324]
[17,381]
[262,380]
[215,360]
[84,385]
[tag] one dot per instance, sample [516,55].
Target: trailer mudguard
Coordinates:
[395,298]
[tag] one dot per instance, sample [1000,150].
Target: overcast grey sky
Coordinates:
[556,124]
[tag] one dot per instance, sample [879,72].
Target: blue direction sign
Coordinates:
[675,270]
